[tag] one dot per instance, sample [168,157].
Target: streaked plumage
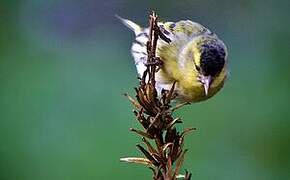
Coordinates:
[195,58]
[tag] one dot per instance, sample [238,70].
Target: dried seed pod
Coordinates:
[155,115]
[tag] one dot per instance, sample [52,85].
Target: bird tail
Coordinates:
[131,25]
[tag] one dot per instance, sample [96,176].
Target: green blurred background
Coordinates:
[65,63]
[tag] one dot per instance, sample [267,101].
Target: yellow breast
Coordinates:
[188,87]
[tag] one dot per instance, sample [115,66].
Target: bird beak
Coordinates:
[206,81]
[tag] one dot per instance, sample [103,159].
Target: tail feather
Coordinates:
[131,25]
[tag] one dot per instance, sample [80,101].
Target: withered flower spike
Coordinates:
[167,147]
[149,146]
[187,175]
[177,153]
[150,94]
[148,103]
[141,133]
[135,112]
[170,135]
[176,150]
[154,113]
[181,140]
[163,96]
[137,160]
[158,174]
[179,163]
[159,142]
[176,120]
[170,93]
[179,106]
[142,82]
[180,176]
[141,97]
[159,158]
[169,167]
[187,130]
[148,155]
[153,171]
[133,101]
[141,118]
[155,119]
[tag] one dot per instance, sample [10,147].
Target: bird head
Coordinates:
[209,61]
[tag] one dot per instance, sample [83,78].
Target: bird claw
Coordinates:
[156,62]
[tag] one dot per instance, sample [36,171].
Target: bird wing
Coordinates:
[179,34]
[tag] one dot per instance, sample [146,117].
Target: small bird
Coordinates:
[193,57]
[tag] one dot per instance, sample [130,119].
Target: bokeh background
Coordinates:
[65,63]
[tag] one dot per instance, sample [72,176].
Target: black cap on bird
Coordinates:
[212,61]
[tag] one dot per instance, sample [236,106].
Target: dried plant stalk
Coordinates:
[154,113]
